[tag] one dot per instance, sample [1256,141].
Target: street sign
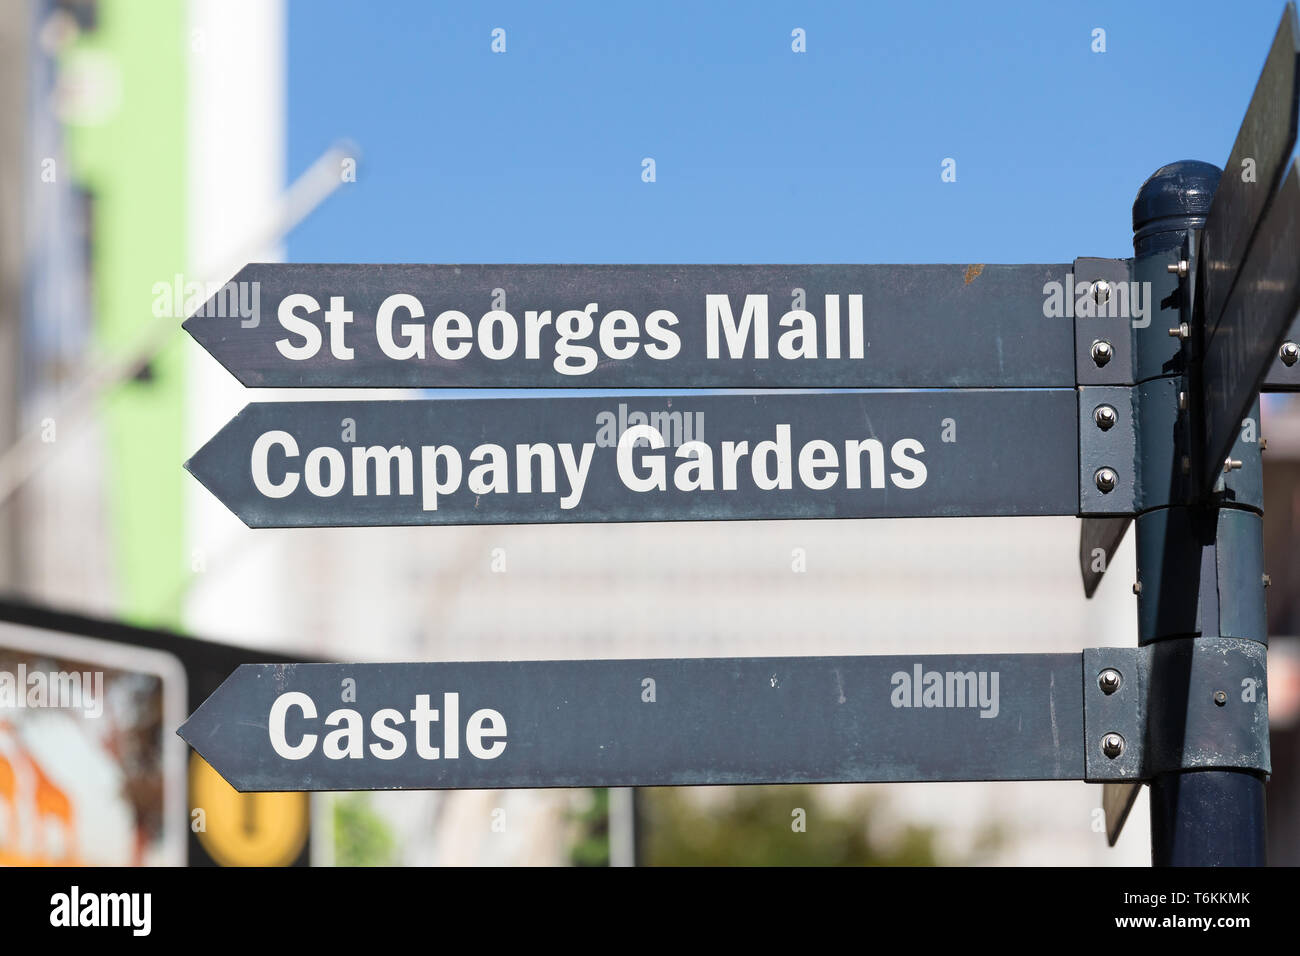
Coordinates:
[645,722]
[1260,309]
[655,326]
[964,391]
[1255,167]
[931,452]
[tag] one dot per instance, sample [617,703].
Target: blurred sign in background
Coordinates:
[91,770]
[146,147]
[89,773]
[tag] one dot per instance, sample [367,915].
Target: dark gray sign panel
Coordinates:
[645,723]
[1261,308]
[703,457]
[655,326]
[1255,167]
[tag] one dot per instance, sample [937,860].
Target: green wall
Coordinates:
[135,164]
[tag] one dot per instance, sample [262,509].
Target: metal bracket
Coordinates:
[1135,313]
[1103,340]
[1214,713]
[1108,466]
[1112,708]
[1207,710]
[1167,299]
[1200,573]
[1135,441]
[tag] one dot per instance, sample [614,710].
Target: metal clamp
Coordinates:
[1108,464]
[1113,718]
[1201,573]
[1210,710]
[1207,709]
[1099,298]
[1124,311]
[1135,450]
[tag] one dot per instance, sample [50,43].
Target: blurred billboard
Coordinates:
[91,770]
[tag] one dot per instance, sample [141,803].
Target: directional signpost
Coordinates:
[641,326]
[1262,304]
[777,455]
[1121,391]
[646,723]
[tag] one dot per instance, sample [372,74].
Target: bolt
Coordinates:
[1137,587]
[1109,681]
[1112,745]
[1289,353]
[1179,268]
[1106,480]
[1182,401]
[1100,291]
[1105,417]
[1231,464]
[1102,353]
[1220,698]
[1187,465]
[1268,580]
[1263,444]
[1184,331]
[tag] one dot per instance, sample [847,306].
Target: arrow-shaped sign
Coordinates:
[641,458]
[1263,303]
[1254,169]
[656,326]
[638,723]
[1250,255]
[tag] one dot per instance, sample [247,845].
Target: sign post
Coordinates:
[1121,391]
[1200,575]
[1235,241]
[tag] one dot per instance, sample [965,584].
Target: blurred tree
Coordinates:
[774,826]
[361,838]
[591,842]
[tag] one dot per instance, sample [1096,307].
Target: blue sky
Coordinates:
[762,154]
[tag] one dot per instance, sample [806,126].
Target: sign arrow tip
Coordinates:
[202,730]
[209,478]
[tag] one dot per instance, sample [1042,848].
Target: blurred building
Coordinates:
[1281,426]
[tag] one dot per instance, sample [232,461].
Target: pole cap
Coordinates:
[1174,198]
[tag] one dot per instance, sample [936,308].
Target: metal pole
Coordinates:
[1207,818]
[622,826]
[1199,569]
[18,177]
